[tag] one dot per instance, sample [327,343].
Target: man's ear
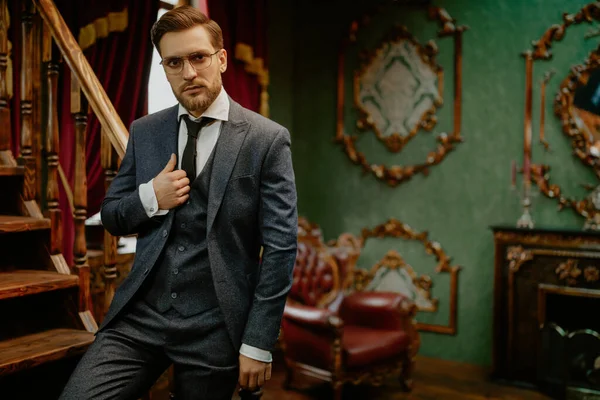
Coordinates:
[223,61]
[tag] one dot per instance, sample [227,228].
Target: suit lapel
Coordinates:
[168,135]
[233,133]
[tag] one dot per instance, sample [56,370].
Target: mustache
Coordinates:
[188,86]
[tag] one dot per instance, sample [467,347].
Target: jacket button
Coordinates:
[165,233]
[173,295]
[175,271]
[181,248]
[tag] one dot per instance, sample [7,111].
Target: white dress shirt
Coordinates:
[207,139]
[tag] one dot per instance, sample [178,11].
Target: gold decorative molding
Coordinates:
[101,27]
[568,271]
[396,174]
[563,108]
[591,274]
[256,66]
[396,229]
[394,261]
[517,256]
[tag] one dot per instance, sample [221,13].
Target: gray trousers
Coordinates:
[130,354]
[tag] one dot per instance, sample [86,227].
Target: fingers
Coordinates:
[177,174]
[253,379]
[260,379]
[182,191]
[183,199]
[171,164]
[243,379]
[268,372]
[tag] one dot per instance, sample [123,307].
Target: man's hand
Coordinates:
[171,187]
[253,373]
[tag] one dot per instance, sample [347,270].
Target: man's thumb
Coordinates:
[171,164]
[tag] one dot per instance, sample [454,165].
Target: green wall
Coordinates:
[469,191]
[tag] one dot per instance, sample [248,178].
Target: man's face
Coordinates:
[195,90]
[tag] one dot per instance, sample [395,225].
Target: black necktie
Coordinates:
[188,160]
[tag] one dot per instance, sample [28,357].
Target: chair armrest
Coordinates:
[309,334]
[378,310]
[311,317]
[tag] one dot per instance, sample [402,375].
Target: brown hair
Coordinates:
[182,18]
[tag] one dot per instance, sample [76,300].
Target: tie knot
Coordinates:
[193,127]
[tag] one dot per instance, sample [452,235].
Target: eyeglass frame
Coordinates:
[187,58]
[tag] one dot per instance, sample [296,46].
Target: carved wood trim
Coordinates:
[396,229]
[396,174]
[570,272]
[547,239]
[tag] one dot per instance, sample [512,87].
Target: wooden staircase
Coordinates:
[45,318]
[41,318]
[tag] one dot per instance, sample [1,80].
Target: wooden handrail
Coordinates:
[95,93]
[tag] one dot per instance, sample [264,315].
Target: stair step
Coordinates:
[18,223]
[29,351]
[6,170]
[25,282]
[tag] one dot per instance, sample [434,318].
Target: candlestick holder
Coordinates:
[525,195]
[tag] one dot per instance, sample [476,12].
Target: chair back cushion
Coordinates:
[316,278]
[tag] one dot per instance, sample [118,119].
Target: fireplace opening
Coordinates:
[569,345]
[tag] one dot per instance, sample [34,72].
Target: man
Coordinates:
[199,294]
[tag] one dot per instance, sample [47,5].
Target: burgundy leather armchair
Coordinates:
[337,334]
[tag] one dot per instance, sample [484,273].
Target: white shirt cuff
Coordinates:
[148,199]
[256,353]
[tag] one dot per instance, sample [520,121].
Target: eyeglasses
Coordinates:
[199,61]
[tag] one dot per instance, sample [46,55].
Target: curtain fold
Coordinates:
[244,33]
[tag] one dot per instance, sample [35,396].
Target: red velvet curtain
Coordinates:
[121,61]
[243,23]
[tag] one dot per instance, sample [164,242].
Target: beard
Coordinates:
[198,103]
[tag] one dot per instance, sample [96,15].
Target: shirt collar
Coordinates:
[219,109]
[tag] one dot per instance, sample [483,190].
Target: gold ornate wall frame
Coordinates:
[396,174]
[393,261]
[563,108]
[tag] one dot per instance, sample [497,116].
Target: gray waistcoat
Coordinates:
[182,277]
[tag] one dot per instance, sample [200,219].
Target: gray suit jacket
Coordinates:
[252,203]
